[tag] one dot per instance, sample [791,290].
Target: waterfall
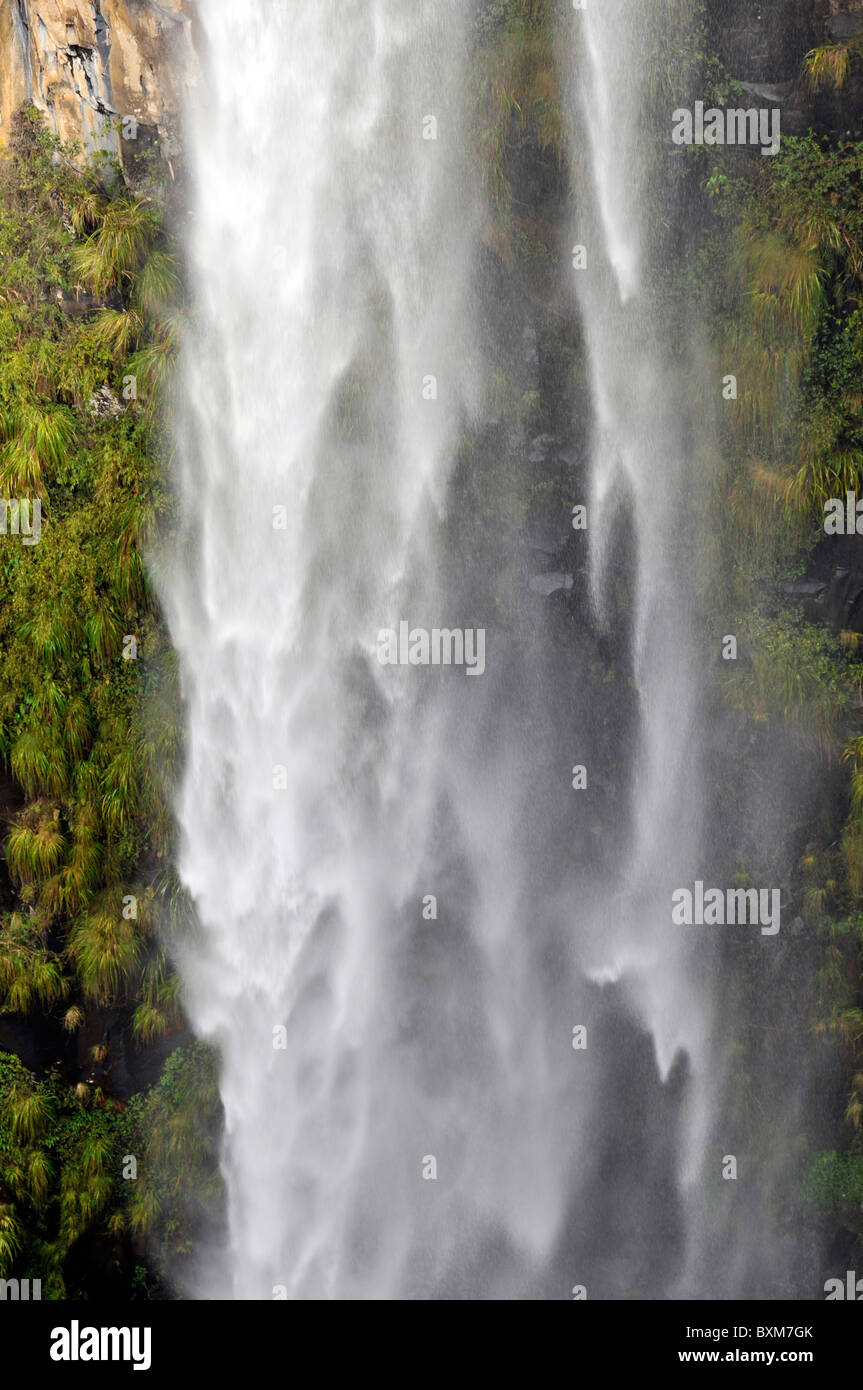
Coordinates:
[404,918]
[641,459]
[326,380]
[647,500]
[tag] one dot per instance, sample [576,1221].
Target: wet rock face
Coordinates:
[107,73]
[764,41]
[831,591]
[763,44]
[842,27]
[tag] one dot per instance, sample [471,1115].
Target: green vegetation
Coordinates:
[780,275]
[89,721]
[796,672]
[175,1127]
[90,727]
[517,85]
[829,65]
[74,1162]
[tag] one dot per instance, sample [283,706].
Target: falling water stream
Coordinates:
[405,1114]
[640,459]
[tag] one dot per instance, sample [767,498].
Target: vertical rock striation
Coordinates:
[95,67]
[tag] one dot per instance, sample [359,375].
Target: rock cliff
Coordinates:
[109,74]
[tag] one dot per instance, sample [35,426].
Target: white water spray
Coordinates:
[327,380]
[640,460]
[405,1113]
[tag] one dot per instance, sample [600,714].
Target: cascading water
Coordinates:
[639,460]
[329,255]
[404,921]
[647,492]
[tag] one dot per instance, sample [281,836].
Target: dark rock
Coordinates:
[552,583]
[844,26]
[760,43]
[79,303]
[786,95]
[530,347]
[831,591]
[548,534]
[805,589]
[39,1041]
[540,448]
[773,95]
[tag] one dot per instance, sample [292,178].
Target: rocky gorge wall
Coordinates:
[100,69]
[108,74]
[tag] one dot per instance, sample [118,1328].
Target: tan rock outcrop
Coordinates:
[109,74]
